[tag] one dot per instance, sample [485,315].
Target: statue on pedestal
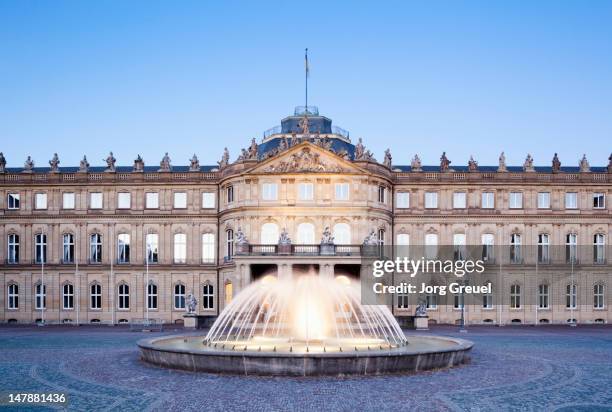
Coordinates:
[610,164]
[327,238]
[415,164]
[54,163]
[371,239]
[110,163]
[138,164]
[421,309]
[241,238]
[556,164]
[164,165]
[444,163]
[194,164]
[284,238]
[224,162]
[585,167]
[528,165]
[502,163]
[192,302]
[28,166]
[83,165]
[387,160]
[472,165]
[2,163]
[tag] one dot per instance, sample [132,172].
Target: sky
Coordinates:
[184,77]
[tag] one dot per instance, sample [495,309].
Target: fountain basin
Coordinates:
[420,354]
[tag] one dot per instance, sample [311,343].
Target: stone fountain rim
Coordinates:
[460,345]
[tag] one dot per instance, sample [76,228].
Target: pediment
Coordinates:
[306,158]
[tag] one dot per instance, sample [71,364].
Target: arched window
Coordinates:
[68,296]
[40,241]
[269,234]
[342,234]
[431,245]
[229,243]
[124,296]
[229,191]
[180,248]
[12,296]
[152,244]
[516,255]
[68,248]
[179,296]
[208,296]
[515,296]
[123,248]
[13,248]
[571,248]
[306,234]
[152,296]
[571,296]
[543,296]
[599,248]
[543,248]
[598,296]
[229,292]
[208,248]
[95,248]
[41,296]
[95,296]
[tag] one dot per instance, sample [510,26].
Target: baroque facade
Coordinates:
[114,244]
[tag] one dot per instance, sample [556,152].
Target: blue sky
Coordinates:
[84,77]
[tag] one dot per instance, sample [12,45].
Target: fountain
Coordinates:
[303,326]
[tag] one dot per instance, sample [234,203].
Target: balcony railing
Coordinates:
[300,250]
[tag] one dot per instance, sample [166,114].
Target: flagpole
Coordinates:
[306,70]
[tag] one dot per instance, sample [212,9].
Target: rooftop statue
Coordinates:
[359,150]
[444,163]
[54,163]
[84,165]
[2,163]
[252,152]
[284,238]
[110,163]
[138,164]
[387,161]
[472,164]
[610,164]
[224,162]
[528,165]
[556,164]
[327,238]
[584,164]
[28,166]
[415,164]
[502,163]
[164,165]
[304,126]
[194,164]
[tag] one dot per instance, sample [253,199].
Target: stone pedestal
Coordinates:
[242,248]
[421,322]
[328,249]
[190,321]
[284,249]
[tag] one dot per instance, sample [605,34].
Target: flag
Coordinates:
[306,63]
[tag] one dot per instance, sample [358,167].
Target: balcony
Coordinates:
[300,250]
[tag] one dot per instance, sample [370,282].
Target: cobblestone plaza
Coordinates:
[513,368]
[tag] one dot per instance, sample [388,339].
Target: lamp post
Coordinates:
[147,250]
[43,292]
[462,328]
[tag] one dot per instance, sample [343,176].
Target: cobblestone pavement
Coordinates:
[513,368]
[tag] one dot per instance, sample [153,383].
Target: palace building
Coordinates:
[115,244]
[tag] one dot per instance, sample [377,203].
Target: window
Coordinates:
[599,248]
[543,200]
[152,242]
[571,296]
[342,234]
[431,200]
[305,191]
[488,247]
[458,301]
[208,248]
[381,238]
[488,200]
[124,200]
[402,301]
[382,194]
[95,248]
[459,200]
[431,245]
[515,248]
[152,296]
[459,250]
[152,200]
[13,248]
[516,200]
[180,200]
[95,200]
[229,243]
[68,200]
[40,241]
[598,296]
[599,201]
[68,248]
[208,296]
[543,296]
[68,296]
[431,301]
[402,200]
[229,292]
[208,200]
[124,296]
[13,201]
[229,193]
[12,296]
[342,191]
[41,296]
[402,243]
[95,296]
[269,191]
[306,234]
[515,296]
[571,200]
[269,234]
[487,300]
[543,248]
[123,248]
[179,296]
[180,248]
[571,248]
[40,201]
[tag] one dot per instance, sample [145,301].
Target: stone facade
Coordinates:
[302,183]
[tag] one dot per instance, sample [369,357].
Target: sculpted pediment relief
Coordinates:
[305,159]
